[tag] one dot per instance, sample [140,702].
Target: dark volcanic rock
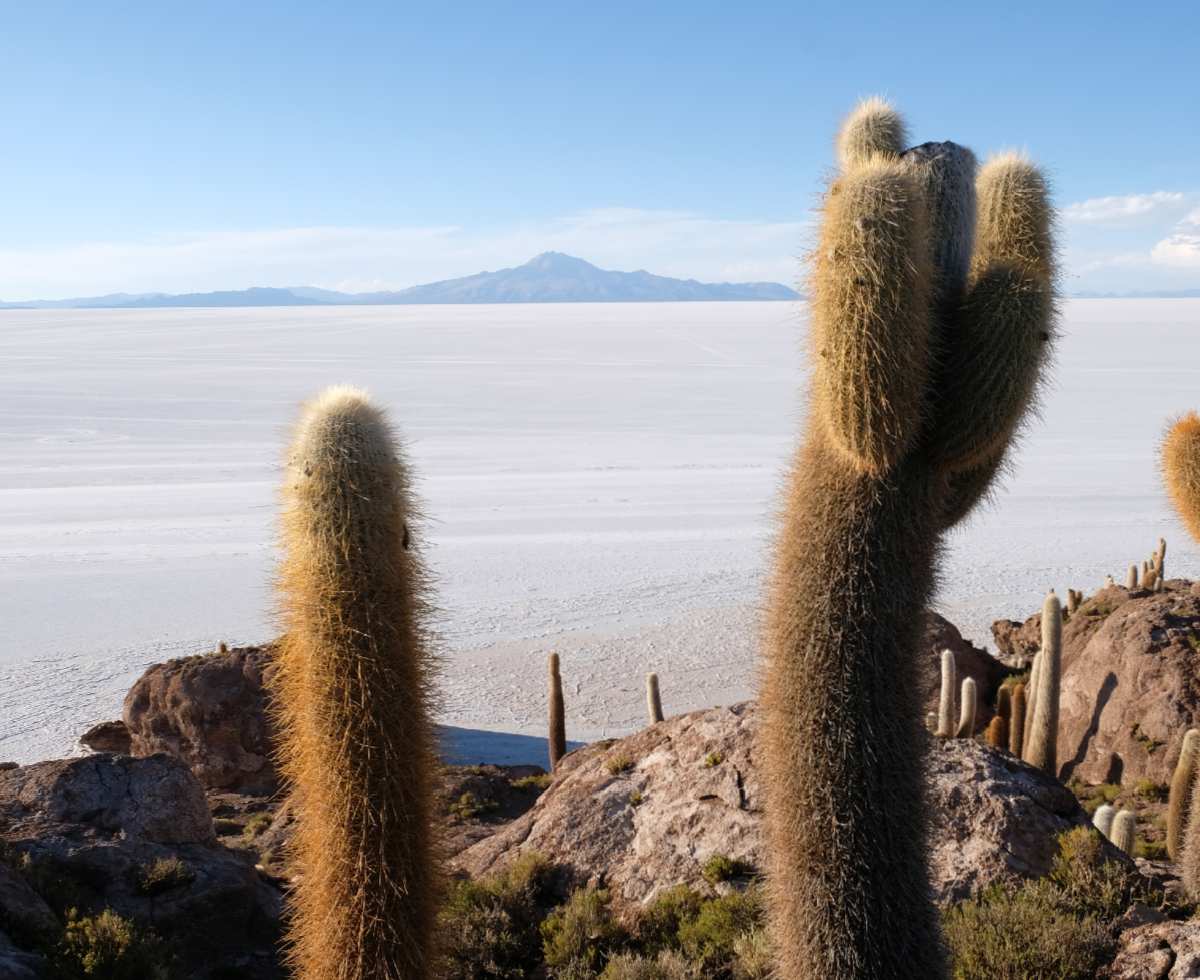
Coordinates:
[108,736]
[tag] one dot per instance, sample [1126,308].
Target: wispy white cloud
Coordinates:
[1122,207]
[356,258]
[1182,247]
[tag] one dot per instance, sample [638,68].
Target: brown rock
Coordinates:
[1161,951]
[646,812]
[1130,684]
[210,712]
[108,736]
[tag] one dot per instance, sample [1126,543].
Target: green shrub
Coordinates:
[490,926]
[713,759]
[1023,932]
[1151,850]
[618,764]
[1090,883]
[162,875]
[711,939]
[256,825]
[110,947]
[532,784]
[581,935]
[468,806]
[1148,789]
[657,927]
[665,966]
[721,867]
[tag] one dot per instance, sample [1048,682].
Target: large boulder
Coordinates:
[210,711]
[1160,951]
[135,835]
[647,812]
[1130,684]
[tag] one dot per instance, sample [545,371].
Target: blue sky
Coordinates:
[176,146]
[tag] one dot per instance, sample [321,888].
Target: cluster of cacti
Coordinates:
[925,360]
[1074,600]
[352,697]
[1041,723]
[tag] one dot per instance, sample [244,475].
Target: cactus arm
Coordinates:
[870,314]
[992,365]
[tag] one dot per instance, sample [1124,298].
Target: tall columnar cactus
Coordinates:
[557,740]
[1181,470]
[1189,860]
[1031,693]
[1016,724]
[1180,798]
[1160,558]
[925,358]
[1131,578]
[352,694]
[945,726]
[653,699]
[968,706]
[1124,831]
[1102,819]
[1042,734]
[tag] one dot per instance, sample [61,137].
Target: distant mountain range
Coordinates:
[549,278]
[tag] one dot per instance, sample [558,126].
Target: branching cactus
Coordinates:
[653,699]
[557,714]
[1042,734]
[352,694]
[1179,800]
[931,315]
[968,706]
[1016,724]
[945,726]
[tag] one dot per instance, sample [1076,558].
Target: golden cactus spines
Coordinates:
[1004,703]
[997,733]
[352,696]
[557,720]
[1179,799]
[653,699]
[887,463]
[1181,470]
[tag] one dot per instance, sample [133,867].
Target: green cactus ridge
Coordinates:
[932,313]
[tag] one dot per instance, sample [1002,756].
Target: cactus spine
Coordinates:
[997,733]
[1004,703]
[557,720]
[1180,798]
[1124,831]
[945,726]
[1102,820]
[1016,725]
[1181,470]
[1043,729]
[925,359]
[968,705]
[653,700]
[352,696]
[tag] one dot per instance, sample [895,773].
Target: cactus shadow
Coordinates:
[476,746]
[1102,697]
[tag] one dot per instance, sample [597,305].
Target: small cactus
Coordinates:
[1043,728]
[1074,600]
[1131,578]
[1160,557]
[1102,820]
[997,733]
[945,726]
[1180,798]
[968,706]
[653,700]
[1016,725]
[1124,831]
[557,720]
[1109,581]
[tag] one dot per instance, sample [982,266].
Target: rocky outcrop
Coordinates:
[1130,684]
[650,811]
[135,835]
[1160,951]
[209,711]
[108,736]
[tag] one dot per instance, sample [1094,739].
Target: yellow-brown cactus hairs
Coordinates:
[557,715]
[1150,579]
[873,129]
[967,707]
[876,481]
[871,290]
[997,733]
[353,698]
[1180,798]
[1181,470]
[1124,831]
[1031,694]
[1042,735]
[1190,860]
[653,699]
[945,725]
[1016,724]
[1004,703]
